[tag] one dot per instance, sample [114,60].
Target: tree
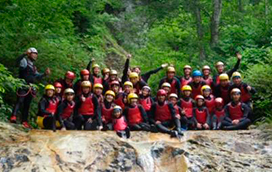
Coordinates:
[215,21]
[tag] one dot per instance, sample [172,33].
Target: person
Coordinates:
[94,76]
[47,107]
[128,87]
[84,76]
[145,99]
[113,78]
[135,114]
[29,73]
[98,92]
[137,84]
[186,79]
[58,91]
[121,98]
[206,92]
[105,74]
[163,115]
[236,113]
[206,70]
[219,113]
[120,125]
[180,114]
[220,67]
[67,81]
[66,109]
[87,110]
[187,104]
[167,88]
[172,80]
[196,83]
[106,110]
[201,114]
[222,89]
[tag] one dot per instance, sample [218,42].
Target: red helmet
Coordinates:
[84,72]
[219,101]
[114,83]
[70,75]
[161,92]
[57,85]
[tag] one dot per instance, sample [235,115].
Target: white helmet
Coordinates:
[32,50]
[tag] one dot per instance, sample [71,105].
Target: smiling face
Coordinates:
[206,93]
[58,90]
[49,93]
[98,91]
[224,83]
[236,97]
[187,71]
[70,97]
[161,98]
[86,90]
[200,102]
[145,92]
[109,98]
[237,80]
[187,93]
[96,70]
[173,100]
[33,56]
[170,75]
[133,102]
[85,77]
[220,68]
[197,79]
[206,72]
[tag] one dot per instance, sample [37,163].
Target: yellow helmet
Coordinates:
[132,96]
[110,92]
[97,85]
[95,65]
[49,87]
[113,72]
[69,91]
[86,84]
[186,88]
[219,64]
[187,67]
[235,90]
[133,75]
[223,76]
[171,69]
[173,95]
[206,67]
[106,70]
[128,83]
[204,87]
[236,74]
[166,84]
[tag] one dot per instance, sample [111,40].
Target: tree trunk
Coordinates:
[215,21]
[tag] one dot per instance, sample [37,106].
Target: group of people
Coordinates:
[195,101]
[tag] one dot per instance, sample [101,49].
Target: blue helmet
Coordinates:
[196,73]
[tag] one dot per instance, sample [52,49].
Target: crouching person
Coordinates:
[201,114]
[236,113]
[87,109]
[119,123]
[135,114]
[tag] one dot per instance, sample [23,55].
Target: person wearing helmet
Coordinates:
[121,97]
[137,83]
[135,114]
[97,92]
[172,80]
[201,114]
[236,113]
[29,73]
[47,109]
[84,76]
[166,87]
[94,74]
[87,109]
[187,104]
[113,78]
[163,115]
[107,109]
[186,79]
[220,67]
[67,81]
[206,70]
[206,92]
[145,99]
[219,114]
[119,122]
[106,74]
[58,90]
[196,83]
[66,110]
[128,87]
[222,89]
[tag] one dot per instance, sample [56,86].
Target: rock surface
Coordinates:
[40,150]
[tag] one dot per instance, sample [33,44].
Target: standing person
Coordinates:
[107,109]
[206,70]
[206,92]
[84,76]
[219,113]
[137,83]
[222,89]
[201,114]
[186,79]
[119,123]
[28,72]
[95,78]
[67,81]
[167,88]
[172,80]
[220,67]
[196,83]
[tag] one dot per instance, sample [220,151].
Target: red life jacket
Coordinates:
[219,113]
[87,107]
[134,116]
[185,81]
[235,112]
[177,110]
[201,116]
[208,81]
[187,107]
[162,113]
[196,91]
[119,124]
[225,94]
[210,104]
[119,101]
[97,80]
[173,86]
[106,113]
[52,106]
[245,96]
[67,112]
[217,80]
[146,103]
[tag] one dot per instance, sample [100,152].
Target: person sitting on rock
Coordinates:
[97,92]
[58,91]
[137,83]
[201,114]
[196,83]
[66,110]
[187,104]
[47,108]
[87,109]
[172,80]
[84,76]
[180,114]
[94,77]
[107,109]
[222,89]
[236,113]
[167,88]
[219,113]
[67,81]
[206,92]
[163,115]
[186,79]
[135,114]
[119,123]
[145,99]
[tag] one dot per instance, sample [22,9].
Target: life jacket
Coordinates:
[225,95]
[119,101]
[79,91]
[196,91]
[235,112]
[208,81]
[210,104]
[201,116]
[119,124]
[245,96]
[177,110]
[67,112]
[52,106]
[97,80]
[106,113]
[134,115]
[162,113]
[185,81]
[146,103]
[187,106]
[87,107]
[217,80]
[173,86]
[219,113]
